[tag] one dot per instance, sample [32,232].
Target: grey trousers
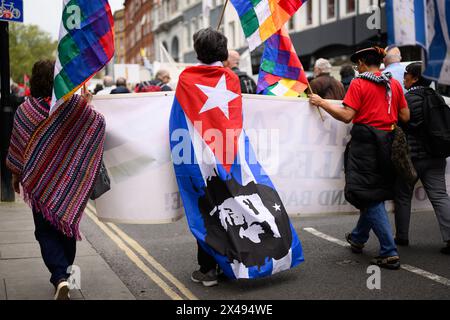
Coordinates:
[432,174]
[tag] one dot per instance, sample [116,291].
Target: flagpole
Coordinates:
[221,16]
[318,109]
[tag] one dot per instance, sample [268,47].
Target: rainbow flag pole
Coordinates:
[260,19]
[222,14]
[86,45]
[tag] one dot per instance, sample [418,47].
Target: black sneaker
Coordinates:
[62,291]
[401,242]
[356,247]
[446,250]
[392,262]
[208,279]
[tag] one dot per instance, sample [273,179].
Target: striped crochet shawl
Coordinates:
[57,158]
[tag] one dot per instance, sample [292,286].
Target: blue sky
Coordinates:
[47,13]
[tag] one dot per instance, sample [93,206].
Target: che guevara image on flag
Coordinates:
[231,205]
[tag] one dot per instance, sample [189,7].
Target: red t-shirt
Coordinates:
[369,101]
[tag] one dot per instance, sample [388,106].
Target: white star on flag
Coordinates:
[277,207]
[218,96]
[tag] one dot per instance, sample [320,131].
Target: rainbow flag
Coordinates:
[86,45]
[260,19]
[281,72]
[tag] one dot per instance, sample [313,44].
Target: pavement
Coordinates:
[23,275]
[154,262]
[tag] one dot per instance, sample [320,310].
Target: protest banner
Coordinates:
[302,154]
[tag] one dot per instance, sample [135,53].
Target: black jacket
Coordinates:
[248,85]
[414,129]
[369,173]
[119,90]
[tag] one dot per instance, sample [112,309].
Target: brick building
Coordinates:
[138,30]
[119,30]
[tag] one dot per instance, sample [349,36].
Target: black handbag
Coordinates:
[102,183]
[401,158]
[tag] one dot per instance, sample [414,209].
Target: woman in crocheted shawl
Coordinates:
[55,159]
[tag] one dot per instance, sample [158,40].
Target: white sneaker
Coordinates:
[62,291]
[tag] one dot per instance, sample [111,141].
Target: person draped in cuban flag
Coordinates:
[232,207]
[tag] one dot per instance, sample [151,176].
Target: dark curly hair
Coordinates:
[210,46]
[41,82]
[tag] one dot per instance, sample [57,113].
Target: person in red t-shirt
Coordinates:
[365,101]
[374,103]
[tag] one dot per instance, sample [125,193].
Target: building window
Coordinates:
[350,6]
[194,25]
[138,32]
[160,13]
[309,13]
[232,34]
[173,7]
[175,50]
[188,34]
[291,23]
[166,9]
[200,22]
[331,9]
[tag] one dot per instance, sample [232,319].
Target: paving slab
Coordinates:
[14,237]
[24,276]
[34,288]
[17,225]
[23,268]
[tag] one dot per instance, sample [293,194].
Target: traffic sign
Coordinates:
[11,10]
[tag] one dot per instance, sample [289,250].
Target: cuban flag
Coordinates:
[231,205]
[425,23]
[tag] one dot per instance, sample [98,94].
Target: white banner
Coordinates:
[302,155]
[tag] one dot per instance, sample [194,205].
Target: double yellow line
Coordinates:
[170,285]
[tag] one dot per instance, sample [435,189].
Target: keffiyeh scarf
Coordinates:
[57,158]
[383,79]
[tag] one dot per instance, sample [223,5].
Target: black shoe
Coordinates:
[446,250]
[356,247]
[62,290]
[401,242]
[392,263]
[208,279]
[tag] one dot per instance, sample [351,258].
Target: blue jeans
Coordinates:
[58,251]
[375,218]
